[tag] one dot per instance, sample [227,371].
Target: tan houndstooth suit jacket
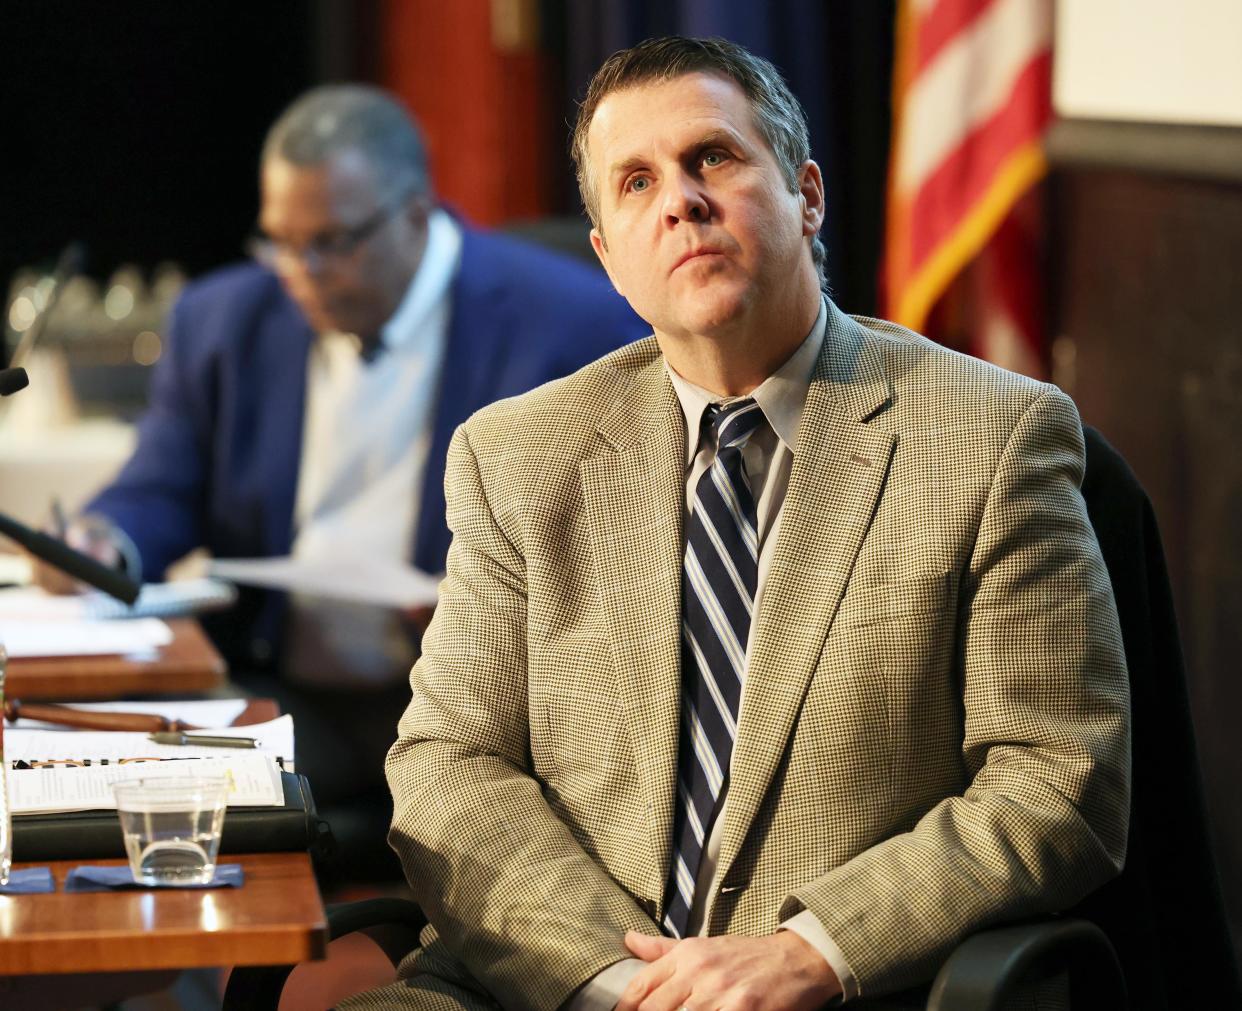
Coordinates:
[934,733]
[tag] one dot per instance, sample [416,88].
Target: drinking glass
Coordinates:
[172,827]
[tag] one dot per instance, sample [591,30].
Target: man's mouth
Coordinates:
[696,254]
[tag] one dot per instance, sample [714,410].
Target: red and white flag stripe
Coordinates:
[971,102]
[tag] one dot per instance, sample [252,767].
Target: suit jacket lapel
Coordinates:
[837,477]
[634,493]
[283,348]
[478,321]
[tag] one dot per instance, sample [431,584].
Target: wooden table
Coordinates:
[275,918]
[189,664]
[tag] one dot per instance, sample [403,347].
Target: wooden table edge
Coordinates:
[188,664]
[73,952]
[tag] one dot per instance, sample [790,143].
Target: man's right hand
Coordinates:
[91,535]
[779,972]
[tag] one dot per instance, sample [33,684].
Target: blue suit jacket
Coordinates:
[218,450]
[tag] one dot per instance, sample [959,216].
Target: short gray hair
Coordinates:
[778,114]
[338,117]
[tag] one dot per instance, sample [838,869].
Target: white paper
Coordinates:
[274,739]
[254,782]
[155,600]
[366,580]
[198,713]
[30,638]
[15,569]
[32,602]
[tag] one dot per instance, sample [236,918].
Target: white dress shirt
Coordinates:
[365,438]
[768,458]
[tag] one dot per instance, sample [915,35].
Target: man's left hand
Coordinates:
[780,972]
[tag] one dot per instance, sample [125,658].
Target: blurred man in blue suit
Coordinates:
[305,402]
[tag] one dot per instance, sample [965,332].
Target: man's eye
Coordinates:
[638,184]
[713,158]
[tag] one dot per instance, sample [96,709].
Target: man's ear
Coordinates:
[811,193]
[601,251]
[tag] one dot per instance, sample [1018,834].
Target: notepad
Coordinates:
[166,600]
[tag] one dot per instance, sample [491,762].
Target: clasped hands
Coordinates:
[780,972]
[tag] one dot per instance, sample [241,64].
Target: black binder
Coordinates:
[76,835]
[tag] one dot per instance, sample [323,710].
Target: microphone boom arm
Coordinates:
[59,554]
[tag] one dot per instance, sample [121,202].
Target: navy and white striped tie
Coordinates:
[718,590]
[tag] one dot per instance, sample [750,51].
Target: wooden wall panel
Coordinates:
[474,75]
[1147,275]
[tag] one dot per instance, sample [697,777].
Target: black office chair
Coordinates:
[1153,939]
[1164,914]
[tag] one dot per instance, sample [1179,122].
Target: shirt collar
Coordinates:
[781,396]
[427,288]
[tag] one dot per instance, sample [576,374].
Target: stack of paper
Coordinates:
[254,781]
[31,638]
[100,747]
[58,768]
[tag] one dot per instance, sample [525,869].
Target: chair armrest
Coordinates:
[988,966]
[393,924]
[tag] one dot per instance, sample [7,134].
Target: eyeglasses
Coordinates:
[332,246]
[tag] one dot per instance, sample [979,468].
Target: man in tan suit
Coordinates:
[775,652]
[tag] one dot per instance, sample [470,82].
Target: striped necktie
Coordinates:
[720,574]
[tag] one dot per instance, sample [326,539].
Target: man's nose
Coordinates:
[306,262]
[684,200]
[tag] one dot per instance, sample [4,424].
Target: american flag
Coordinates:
[971,103]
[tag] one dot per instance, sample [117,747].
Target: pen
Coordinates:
[204,740]
[59,520]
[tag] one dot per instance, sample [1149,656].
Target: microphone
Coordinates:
[65,558]
[12,380]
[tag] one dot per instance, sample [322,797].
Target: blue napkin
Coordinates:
[29,881]
[92,878]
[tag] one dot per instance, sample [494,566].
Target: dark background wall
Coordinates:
[135,127]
